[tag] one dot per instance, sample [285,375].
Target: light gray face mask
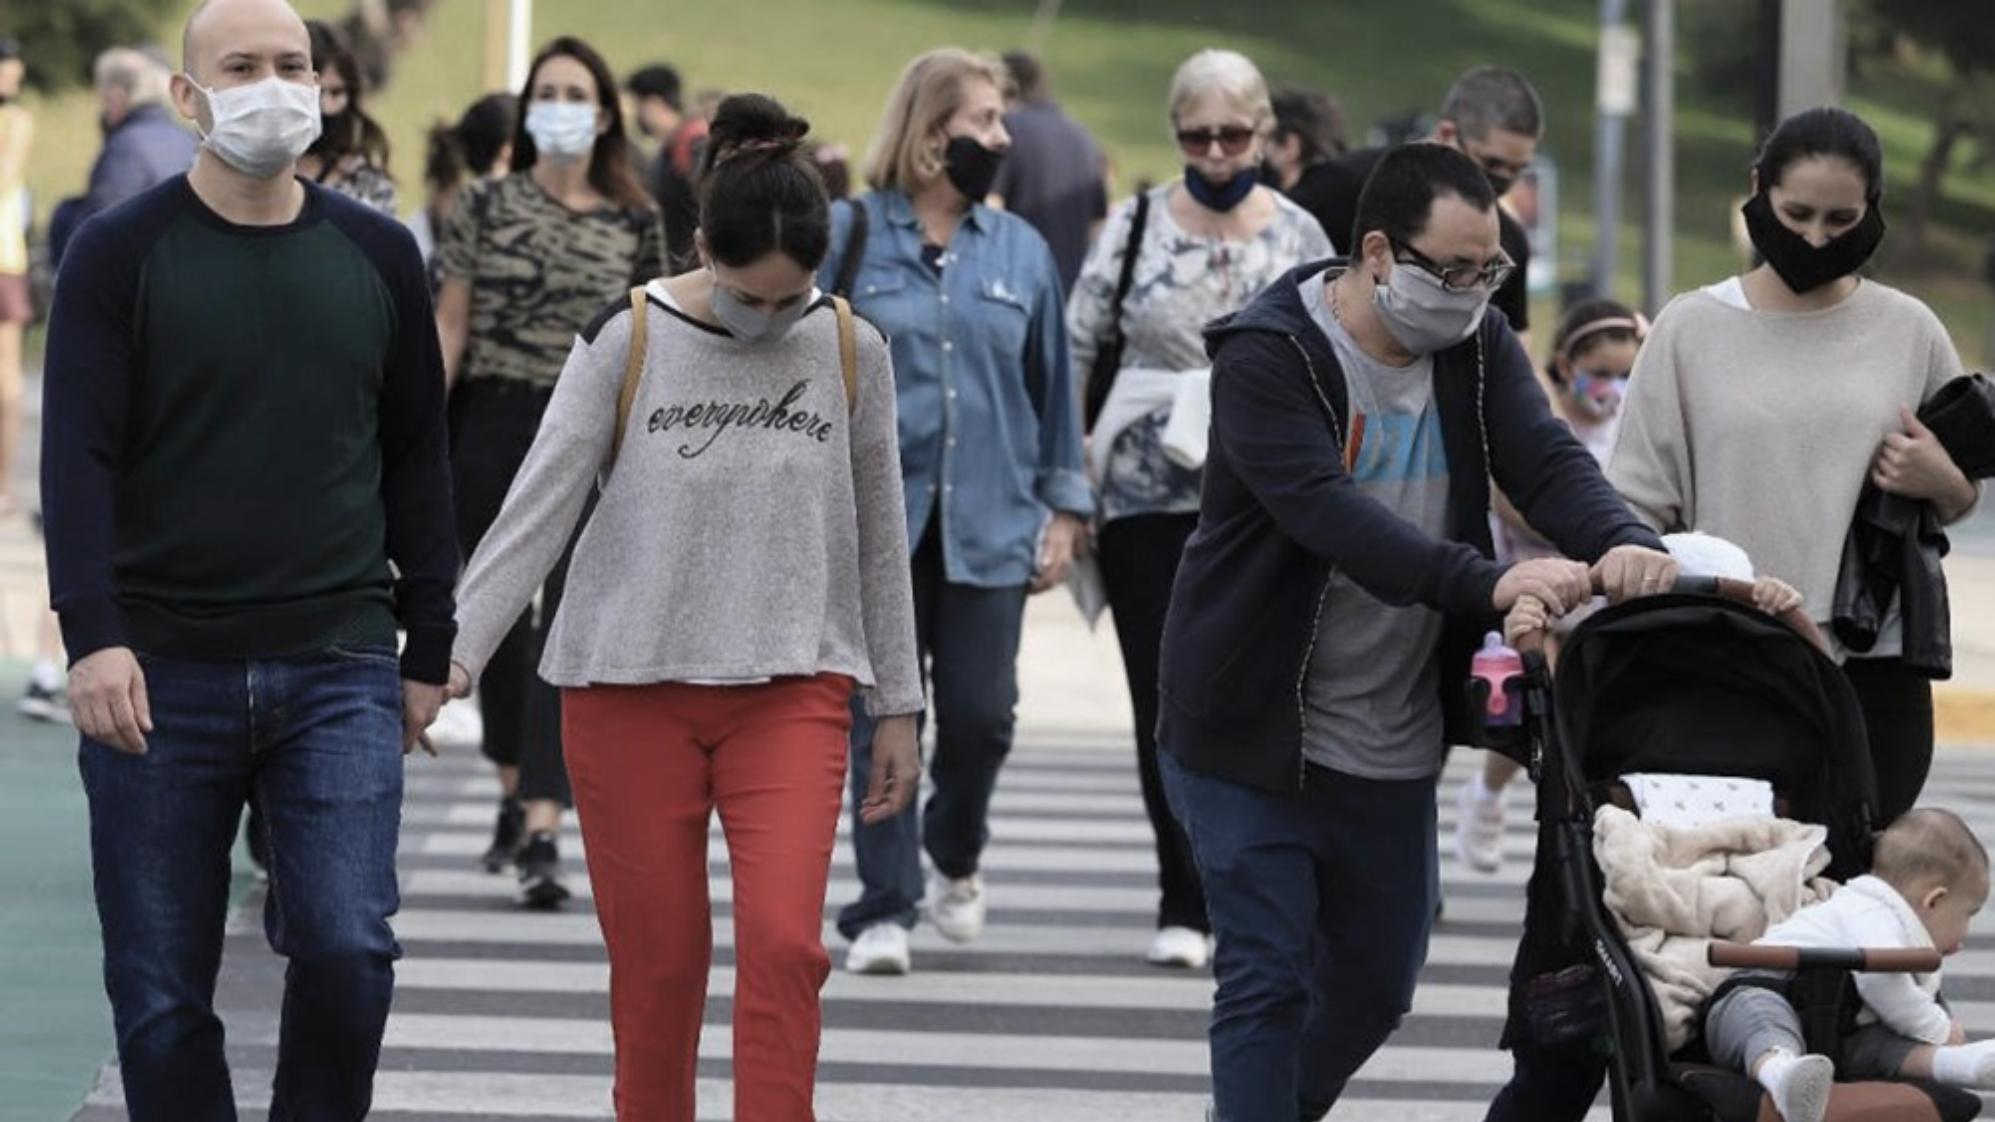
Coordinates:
[1424,316]
[755,325]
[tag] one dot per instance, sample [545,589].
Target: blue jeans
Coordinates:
[316,741]
[1322,901]
[968,640]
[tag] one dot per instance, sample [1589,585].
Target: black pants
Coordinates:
[1898,716]
[493,423]
[1139,563]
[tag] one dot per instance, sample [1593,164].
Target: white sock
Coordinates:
[1798,1085]
[1966,1065]
[1480,790]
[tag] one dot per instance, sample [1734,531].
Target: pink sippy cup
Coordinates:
[1498,666]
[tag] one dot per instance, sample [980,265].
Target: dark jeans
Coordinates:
[1322,901]
[317,742]
[492,425]
[1898,716]
[1139,563]
[1550,1083]
[968,642]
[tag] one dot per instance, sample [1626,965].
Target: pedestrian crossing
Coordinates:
[1051,1016]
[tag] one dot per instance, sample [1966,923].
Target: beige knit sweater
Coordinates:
[1760,427]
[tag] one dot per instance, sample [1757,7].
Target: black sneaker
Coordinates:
[506,834]
[540,874]
[43,704]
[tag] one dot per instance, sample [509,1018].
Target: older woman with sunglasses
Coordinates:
[1203,247]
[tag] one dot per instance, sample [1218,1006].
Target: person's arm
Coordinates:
[1897,1000]
[453,327]
[1542,467]
[886,590]
[1061,482]
[1094,292]
[86,406]
[1650,466]
[1955,495]
[20,141]
[457,253]
[649,264]
[547,497]
[415,472]
[1272,432]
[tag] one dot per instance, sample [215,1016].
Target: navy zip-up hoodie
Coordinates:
[1279,513]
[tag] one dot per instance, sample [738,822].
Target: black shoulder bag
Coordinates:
[1108,358]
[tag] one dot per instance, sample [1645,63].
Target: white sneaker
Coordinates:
[1479,826]
[1179,947]
[958,906]
[1798,1085]
[880,949]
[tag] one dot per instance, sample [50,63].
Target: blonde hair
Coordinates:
[1227,72]
[903,155]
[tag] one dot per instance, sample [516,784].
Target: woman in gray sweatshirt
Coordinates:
[745,569]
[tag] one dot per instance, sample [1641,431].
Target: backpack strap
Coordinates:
[633,373]
[855,250]
[848,350]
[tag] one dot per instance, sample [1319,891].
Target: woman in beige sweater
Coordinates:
[1761,404]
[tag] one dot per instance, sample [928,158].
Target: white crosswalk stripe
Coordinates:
[1050,1017]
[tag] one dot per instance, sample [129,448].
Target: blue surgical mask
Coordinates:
[756,325]
[562,130]
[1599,396]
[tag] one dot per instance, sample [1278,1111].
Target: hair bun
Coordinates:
[747,123]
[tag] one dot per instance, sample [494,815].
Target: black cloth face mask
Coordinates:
[971,167]
[1804,267]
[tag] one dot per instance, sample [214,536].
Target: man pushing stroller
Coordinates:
[1927,881]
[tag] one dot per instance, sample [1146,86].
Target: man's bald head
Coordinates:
[260,27]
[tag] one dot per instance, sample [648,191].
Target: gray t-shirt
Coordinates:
[1372,704]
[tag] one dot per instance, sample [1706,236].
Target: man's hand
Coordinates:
[896,769]
[1559,585]
[1914,464]
[1958,1033]
[1629,571]
[420,703]
[108,699]
[1064,538]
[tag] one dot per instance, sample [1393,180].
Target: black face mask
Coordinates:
[1804,267]
[1501,184]
[971,167]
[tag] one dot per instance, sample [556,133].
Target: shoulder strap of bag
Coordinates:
[1131,250]
[633,372]
[848,350]
[855,250]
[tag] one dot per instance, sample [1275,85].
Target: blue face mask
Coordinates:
[1221,197]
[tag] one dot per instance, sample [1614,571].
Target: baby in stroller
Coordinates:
[1928,879]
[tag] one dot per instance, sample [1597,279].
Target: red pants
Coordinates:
[649,766]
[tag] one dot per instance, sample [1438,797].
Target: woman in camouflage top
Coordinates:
[527,261]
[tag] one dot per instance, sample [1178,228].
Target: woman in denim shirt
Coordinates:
[990,460]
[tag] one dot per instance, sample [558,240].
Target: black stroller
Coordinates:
[1699,682]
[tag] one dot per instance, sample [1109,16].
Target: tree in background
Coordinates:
[61,38]
[1953,42]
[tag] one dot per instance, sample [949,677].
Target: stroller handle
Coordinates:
[1736,591]
[1863,960]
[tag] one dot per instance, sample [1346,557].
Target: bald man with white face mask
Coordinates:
[247,497]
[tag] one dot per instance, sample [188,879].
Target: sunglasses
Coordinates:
[1232,140]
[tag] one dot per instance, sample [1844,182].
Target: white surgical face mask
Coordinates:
[261,129]
[1422,315]
[562,130]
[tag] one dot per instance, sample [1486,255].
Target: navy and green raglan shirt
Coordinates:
[242,427]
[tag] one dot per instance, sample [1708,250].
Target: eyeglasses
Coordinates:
[1233,140]
[1458,278]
